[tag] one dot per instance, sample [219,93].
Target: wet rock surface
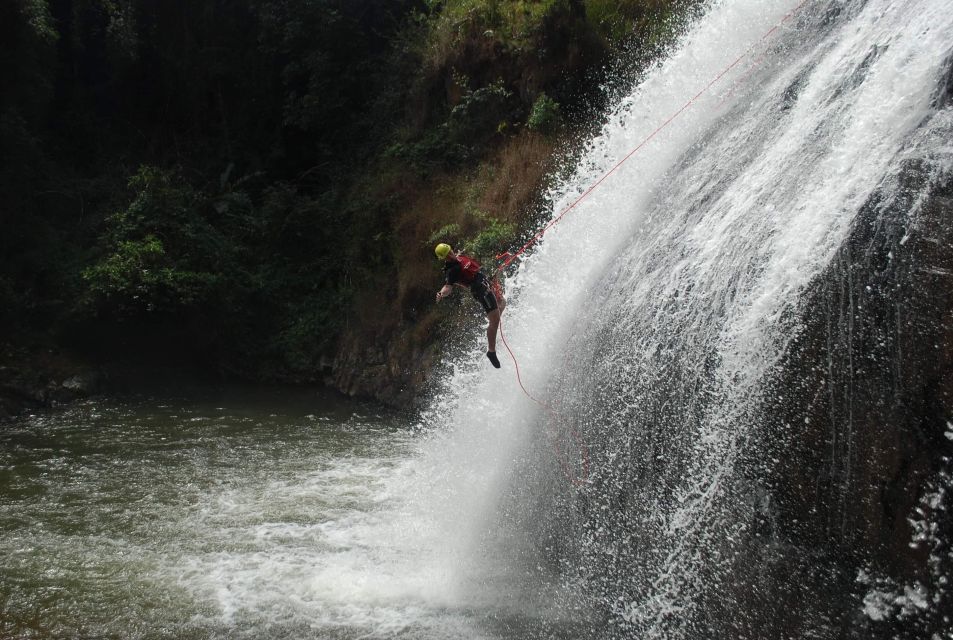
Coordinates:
[33,378]
[858,427]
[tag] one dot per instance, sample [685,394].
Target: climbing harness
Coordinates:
[506,258]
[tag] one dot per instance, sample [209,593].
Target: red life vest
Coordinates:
[469,269]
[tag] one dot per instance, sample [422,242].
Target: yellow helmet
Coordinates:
[442,250]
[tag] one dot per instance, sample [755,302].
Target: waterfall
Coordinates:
[693,319]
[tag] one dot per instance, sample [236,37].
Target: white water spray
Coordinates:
[694,253]
[648,317]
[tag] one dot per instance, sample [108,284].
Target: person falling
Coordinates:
[463,271]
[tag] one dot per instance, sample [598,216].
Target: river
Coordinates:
[743,345]
[225,514]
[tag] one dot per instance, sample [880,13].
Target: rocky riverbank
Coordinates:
[37,377]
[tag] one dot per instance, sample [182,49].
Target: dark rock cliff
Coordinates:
[860,428]
[827,510]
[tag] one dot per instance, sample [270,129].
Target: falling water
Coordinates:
[658,315]
[714,330]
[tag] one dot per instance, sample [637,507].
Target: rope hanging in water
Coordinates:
[574,479]
[507,258]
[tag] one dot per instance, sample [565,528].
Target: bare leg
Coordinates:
[494,318]
[491,330]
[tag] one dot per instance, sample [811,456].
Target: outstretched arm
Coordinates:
[445,291]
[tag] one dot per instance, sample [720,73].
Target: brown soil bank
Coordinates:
[507,91]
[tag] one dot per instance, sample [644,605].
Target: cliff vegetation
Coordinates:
[252,187]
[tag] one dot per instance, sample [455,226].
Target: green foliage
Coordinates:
[122,30]
[646,26]
[29,36]
[612,18]
[38,18]
[495,237]
[513,21]
[436,147]
[340,80]
[305,274]
[162,253]
[449,233]
[286,200]
[479,113]
[466,134]
[474,121]
[139,275]
[545,116]
[258,278]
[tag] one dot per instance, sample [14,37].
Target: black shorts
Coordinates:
[484,295]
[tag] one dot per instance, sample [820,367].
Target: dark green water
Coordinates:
[244,515]
[228,516]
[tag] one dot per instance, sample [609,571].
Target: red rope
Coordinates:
[576,480]
[764,54]
[508,258]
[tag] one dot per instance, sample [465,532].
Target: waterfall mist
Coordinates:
[740,325]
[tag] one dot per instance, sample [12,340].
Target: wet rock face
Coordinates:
[391,370]
[836,518]
[44,384]
[36,375]
[858,425]
[944,93]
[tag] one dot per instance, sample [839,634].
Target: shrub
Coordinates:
[479,114]
[161,253]
[448,233]
[544,116]
[138,275]
[494,238]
